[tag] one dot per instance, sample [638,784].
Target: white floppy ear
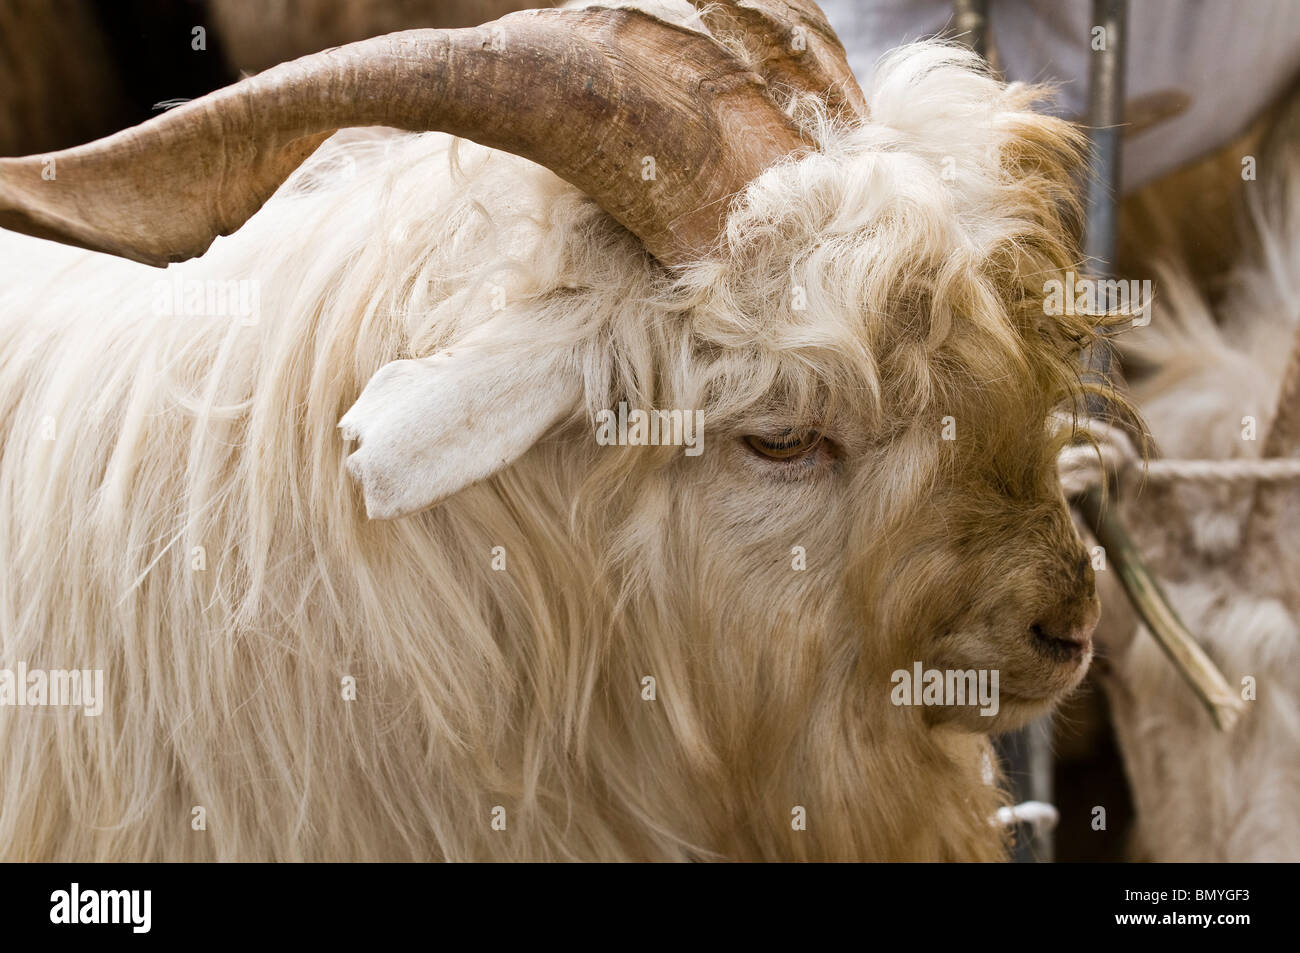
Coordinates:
[431,427]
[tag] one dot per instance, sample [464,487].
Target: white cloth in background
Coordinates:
[1232,57]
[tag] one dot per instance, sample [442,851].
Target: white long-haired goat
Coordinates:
[560,649]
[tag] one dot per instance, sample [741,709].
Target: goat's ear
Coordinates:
[430,427]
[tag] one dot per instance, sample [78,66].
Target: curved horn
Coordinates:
[586,93]
[795,44]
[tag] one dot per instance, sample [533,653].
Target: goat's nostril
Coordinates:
[1062,640]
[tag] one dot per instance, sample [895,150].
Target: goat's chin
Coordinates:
[1029,686]
[1013,713]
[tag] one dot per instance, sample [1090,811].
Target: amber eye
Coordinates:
[788,446]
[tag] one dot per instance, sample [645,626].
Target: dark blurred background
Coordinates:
[74,70]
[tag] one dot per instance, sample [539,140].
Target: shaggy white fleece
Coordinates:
[175,509]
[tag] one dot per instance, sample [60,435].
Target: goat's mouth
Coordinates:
[1055,667]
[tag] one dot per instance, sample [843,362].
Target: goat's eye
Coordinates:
[790,445]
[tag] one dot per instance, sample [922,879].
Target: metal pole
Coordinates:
[1105,119]
[1105,136]
[971,24]
[1027,762]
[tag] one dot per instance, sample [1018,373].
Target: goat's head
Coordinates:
[855,307]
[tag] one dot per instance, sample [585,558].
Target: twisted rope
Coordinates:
[1225,471]
[1084,467]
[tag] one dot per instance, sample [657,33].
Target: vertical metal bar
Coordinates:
[1027,762]
[1042,764]
[971,24]
[1105,121]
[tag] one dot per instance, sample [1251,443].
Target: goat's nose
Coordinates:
[1065,634]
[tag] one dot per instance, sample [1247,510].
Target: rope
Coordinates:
[1081,469]
[1225,471]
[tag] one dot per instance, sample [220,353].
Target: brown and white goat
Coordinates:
[539,646]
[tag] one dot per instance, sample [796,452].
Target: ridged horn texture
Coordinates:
[587,93]
[794,43]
